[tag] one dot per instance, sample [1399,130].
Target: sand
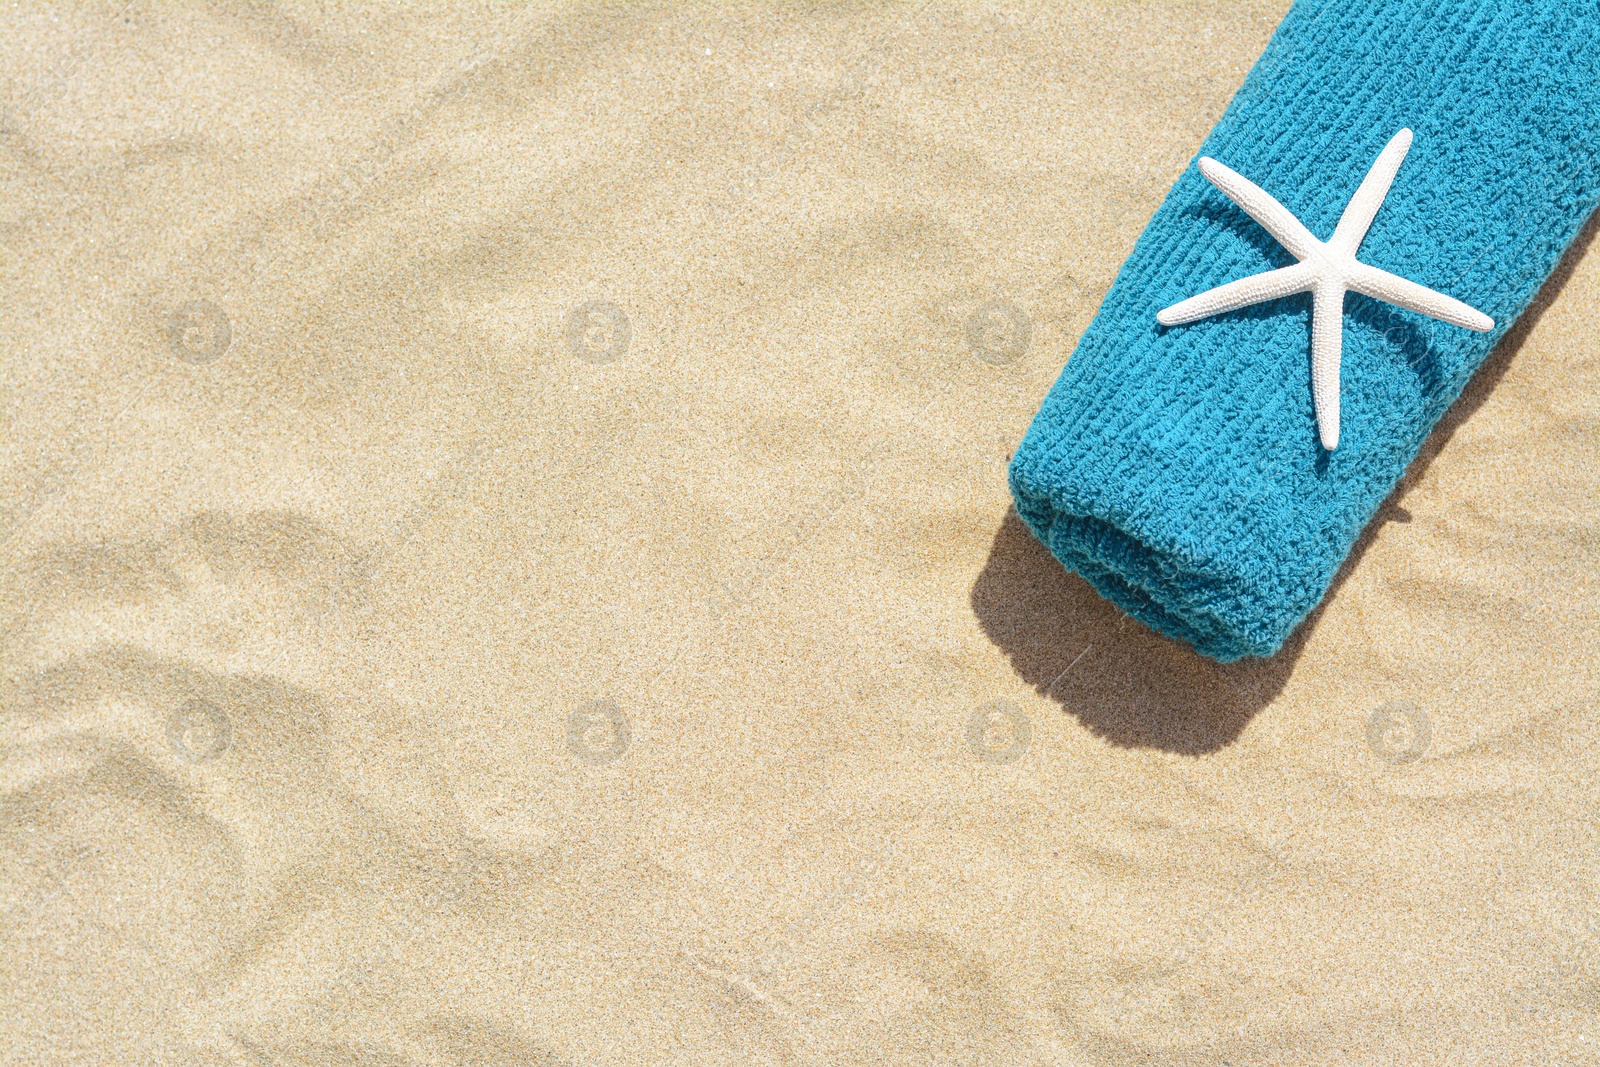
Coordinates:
[507,561]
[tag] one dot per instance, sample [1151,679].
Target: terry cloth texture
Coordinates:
[1178,470]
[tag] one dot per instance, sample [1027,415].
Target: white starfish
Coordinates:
[1326,269]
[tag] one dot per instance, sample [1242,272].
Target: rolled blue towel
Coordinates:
[1179,469]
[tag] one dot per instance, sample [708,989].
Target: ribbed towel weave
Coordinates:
[1178,470]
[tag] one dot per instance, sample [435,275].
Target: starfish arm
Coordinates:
[1327,327]
[1242,292]
[1363,207]
[1259,205]
[1394,289]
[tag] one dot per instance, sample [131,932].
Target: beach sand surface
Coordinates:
[508,561]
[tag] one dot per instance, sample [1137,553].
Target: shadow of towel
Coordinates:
[1121,679]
